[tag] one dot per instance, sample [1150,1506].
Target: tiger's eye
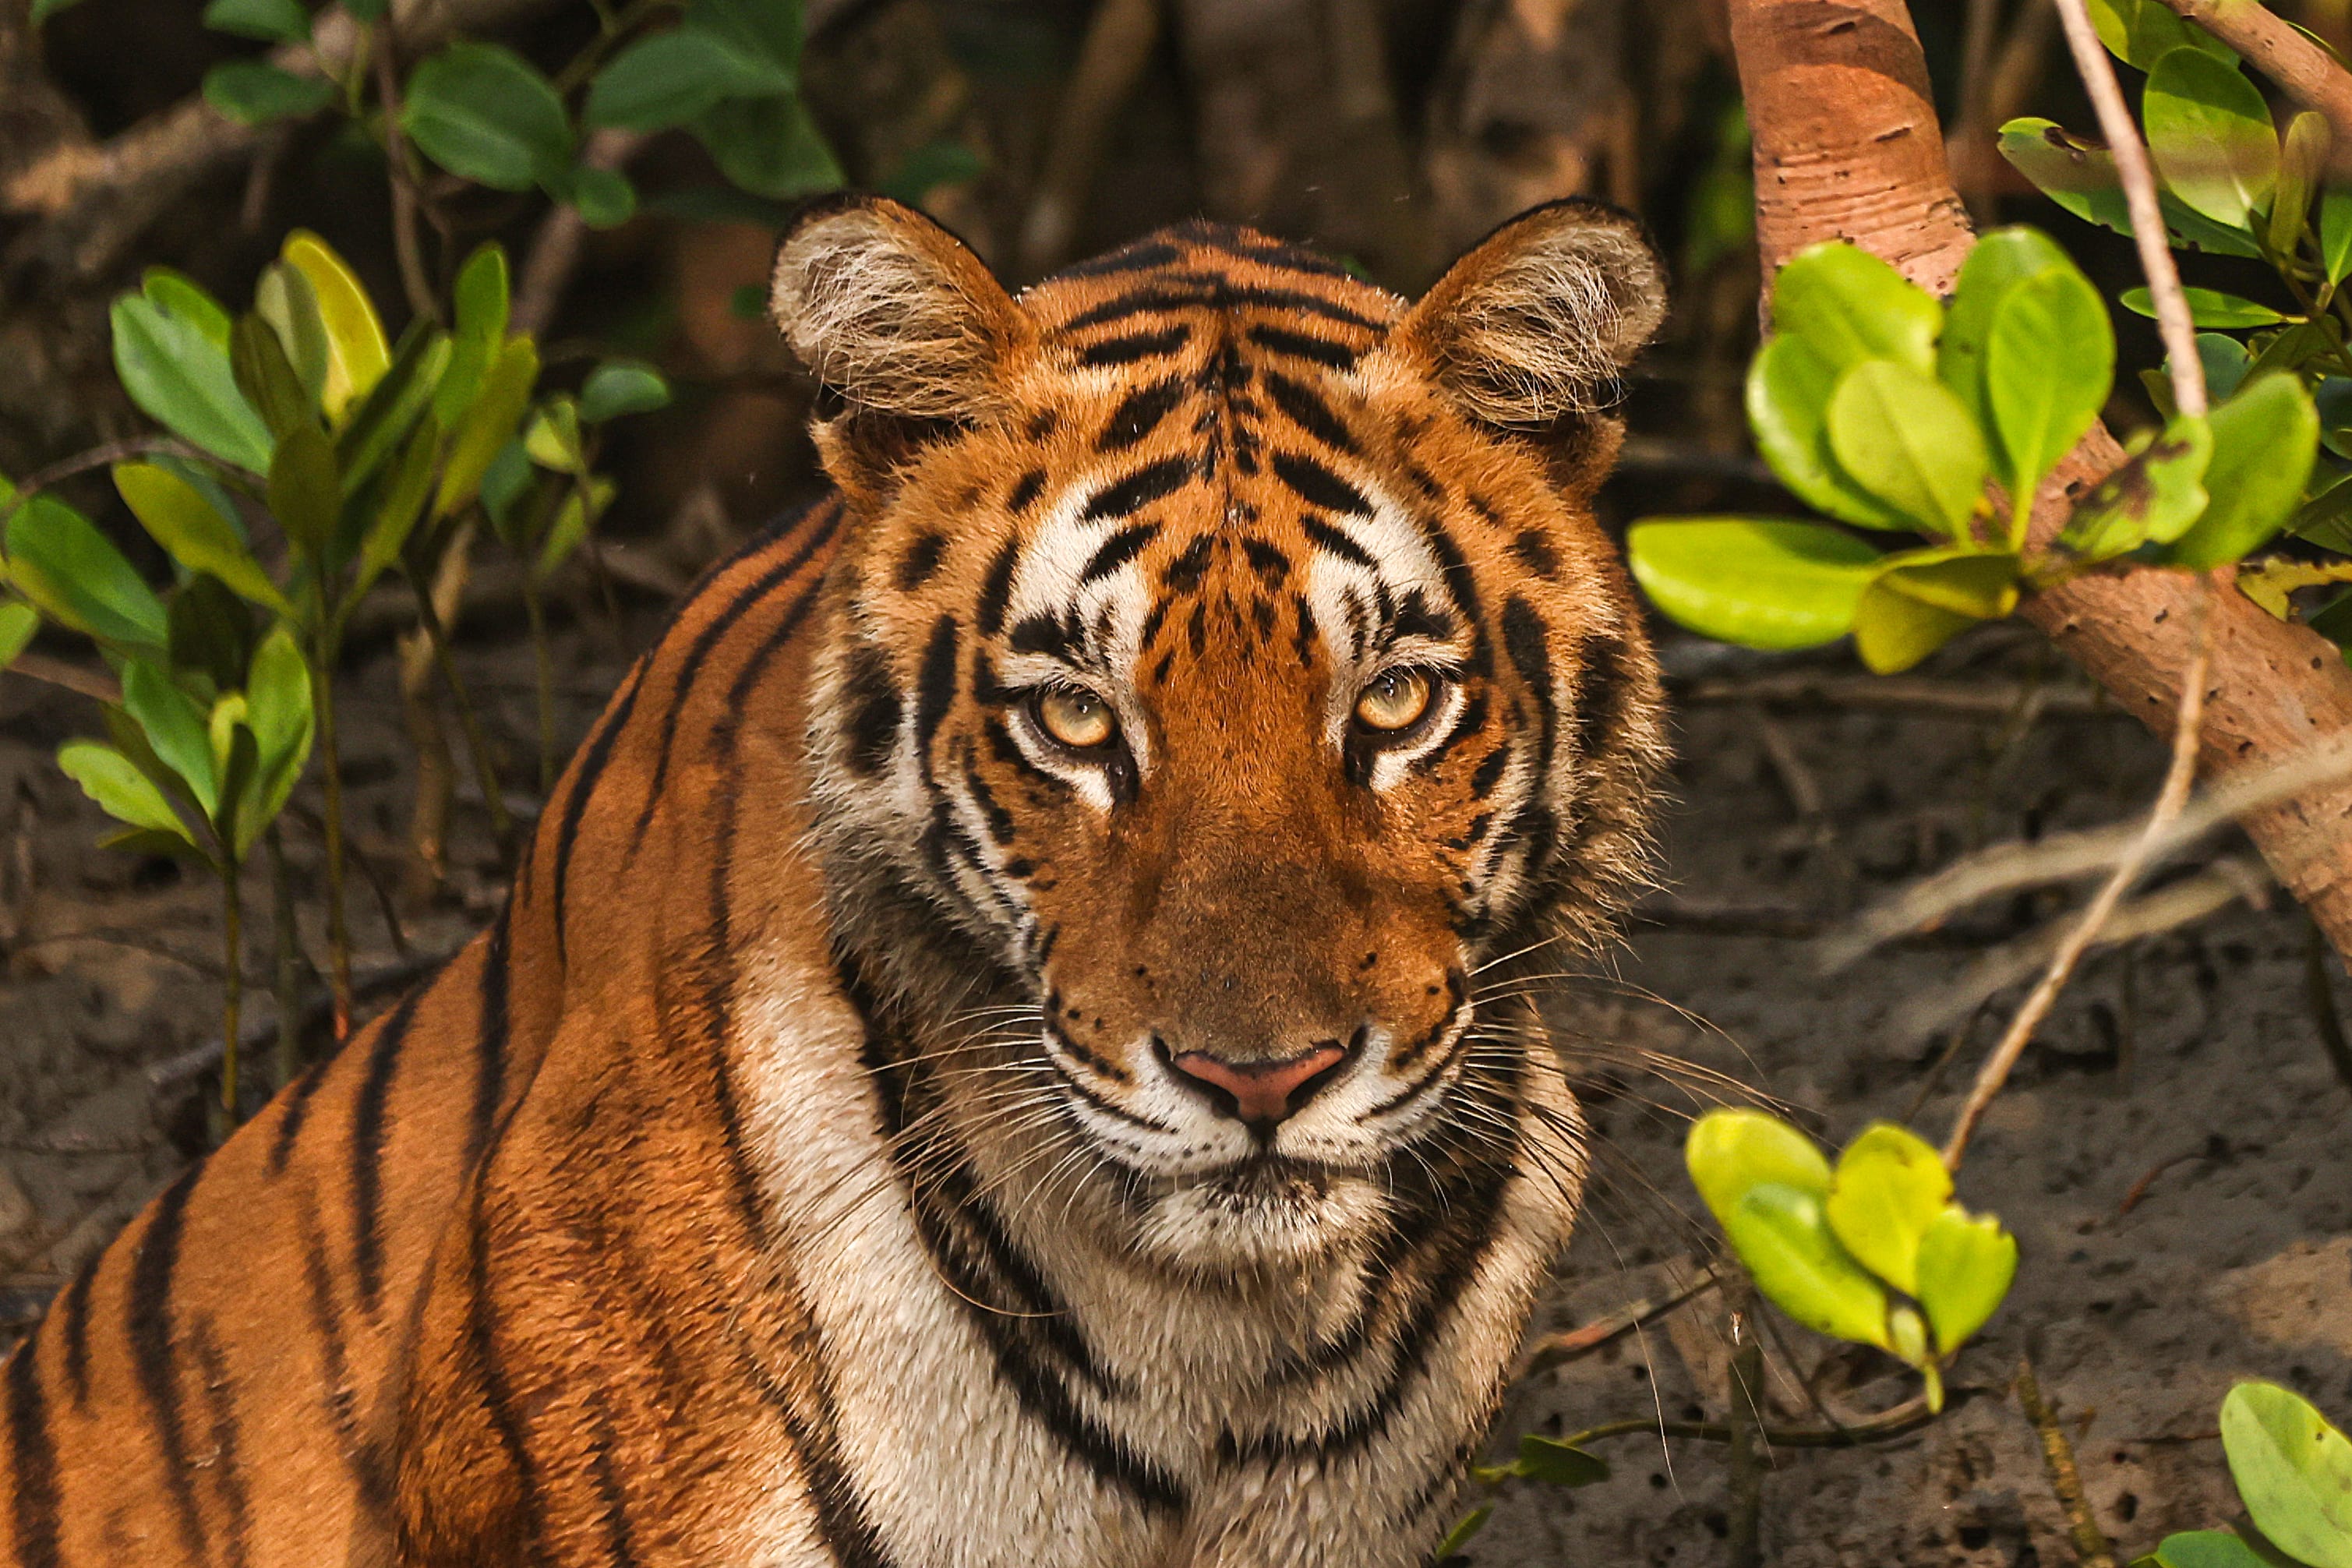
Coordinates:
[1395,700]
[1076,718]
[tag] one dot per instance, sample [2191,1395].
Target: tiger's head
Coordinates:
[1225,659]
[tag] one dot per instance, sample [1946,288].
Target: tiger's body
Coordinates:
[891,1127]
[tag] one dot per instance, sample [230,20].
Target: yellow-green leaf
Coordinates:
[357,353]
[1759,581]
[488,425]
[2265,441]
[2294,1471]
[1732,1148]
[1889,1189]
[1789,384]
[1965,1266]
[1851,307]
[1783,1236]
[110,778]
[1922,599]
[184,522]
[1903,437]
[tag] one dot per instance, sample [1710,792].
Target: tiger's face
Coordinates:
[1226,653]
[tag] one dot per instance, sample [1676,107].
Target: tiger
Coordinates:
[1009,1043]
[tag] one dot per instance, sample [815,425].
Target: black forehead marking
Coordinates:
[1536,552]
[1148,483]
[1183,575]
[1318,486]
[1119,550]
[1139,413]
[1306,408]
[1024,491]
[1300,345]
[1135,346]
[1332,541]
[996,591]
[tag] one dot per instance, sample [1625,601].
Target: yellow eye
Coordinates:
[1076,717]
[1395,700]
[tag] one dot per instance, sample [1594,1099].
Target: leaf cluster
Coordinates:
[2293,1472]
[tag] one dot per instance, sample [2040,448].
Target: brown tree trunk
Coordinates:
[1847,147]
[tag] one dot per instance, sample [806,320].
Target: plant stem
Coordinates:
[477,745]
[2170,800]
[232,988]
[2092,1549]
[2321,993]
[405,243]
[287,972]
[545,661]
[2172,320]
[339,934]
[1745,1546]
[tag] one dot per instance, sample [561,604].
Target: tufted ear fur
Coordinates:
[1530,329]
[903,326]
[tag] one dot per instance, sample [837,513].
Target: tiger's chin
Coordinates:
[1267,1211]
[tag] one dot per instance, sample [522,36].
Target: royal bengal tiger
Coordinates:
[1008,1044]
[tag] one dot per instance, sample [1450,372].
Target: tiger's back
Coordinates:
[753,1190]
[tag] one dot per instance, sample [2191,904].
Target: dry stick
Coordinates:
[2173,318]
[1117,46]
[2092,1549]
[2178,778]
[1746,1544]
[470,725]
[404,244]
[2301,68]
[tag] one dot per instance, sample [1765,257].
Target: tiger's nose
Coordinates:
[1263,1093]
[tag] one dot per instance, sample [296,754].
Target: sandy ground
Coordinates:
[2191,1054]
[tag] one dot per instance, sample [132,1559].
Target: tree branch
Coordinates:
[2301,68]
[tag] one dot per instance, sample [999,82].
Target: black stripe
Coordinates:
[921,560]
[705,640]
[1119,550]
[1600,693]
[870,711]
[33,1482]
[482,1345]
[147,1324]
[489,1042]
[369,1473]
[1139,413]
[988,615]
[1331,540]
[1142,256]
[1463,585]
[296,1107]
[611,1496]
[73,1311]
[935,683]
[1308,411]
[1318,486]
[1024,491]
[1535,552]
[1140,488]
[1135,346]
[1473,720]
[1216,293]
[583,785]
[367,1148]
[1298,345]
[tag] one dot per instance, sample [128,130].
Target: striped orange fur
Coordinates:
[1007,1047]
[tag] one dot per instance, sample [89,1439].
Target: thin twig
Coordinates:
[103,457]
[1553,1350]
[1898,1421]
[405,245]
[67,675]
[2172,320]
[1745,1547]
[2092,1549]
[2178,777]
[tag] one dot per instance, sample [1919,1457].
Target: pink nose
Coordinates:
[1262,1091]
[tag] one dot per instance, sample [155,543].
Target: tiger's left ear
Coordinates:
[1529,330]
[904,328]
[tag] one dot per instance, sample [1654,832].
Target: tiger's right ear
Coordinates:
[901,325]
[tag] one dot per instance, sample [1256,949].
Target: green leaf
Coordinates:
[255,92]
[2141,32]
[69,571]
[393,409]
[1965,1266]
[180,376]
[2155,495]
[1759,581]
[2265,442]
[604,196]
[504,483]
[1731,1149]
[621,386]
[2335,233]
[2302,163]
[1888,1188]
[770,29]
[2209,136]
[769,146]
[188,524]
[211,632]
[486,114]
[2210,308]
[306,491]
[2050,360]
[397,513]
[175,728]
[112,780]
[1783,1236]
[2079,177]
[2000,262]
[1922,599]
[272,21]
[1850,306]
[18,622]
[1905,438]
[45,9]
[1789,384]
[285,300]
[572,523]
[483,305]
[670,78]
[488,427]
[357,355]
[1459,1536]
[279,708]
[938,162]
[177,294]
[552,439]
[1550,1460]
[2225,364]
[2204,1549]
[2293,1469]
[267,379]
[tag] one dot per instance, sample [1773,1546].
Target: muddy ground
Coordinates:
[2190,1055]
